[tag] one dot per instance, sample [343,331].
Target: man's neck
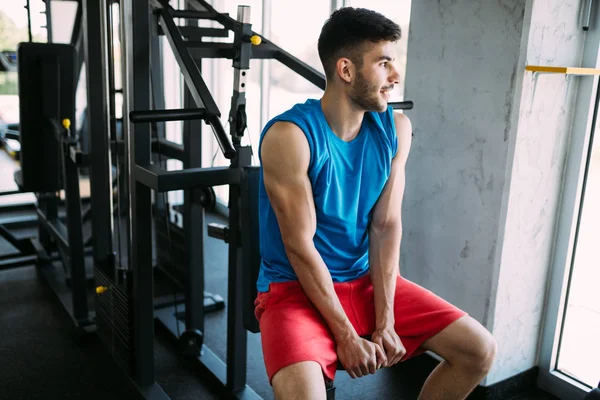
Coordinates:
[343,117]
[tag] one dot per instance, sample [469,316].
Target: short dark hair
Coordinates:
[346,32]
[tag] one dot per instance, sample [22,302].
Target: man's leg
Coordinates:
[298,348]
[424,321]
[468,350]
[303,380]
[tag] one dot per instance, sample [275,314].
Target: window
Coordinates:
[581,326]
[63,17]
[14,30]
[298,35]
[568,363]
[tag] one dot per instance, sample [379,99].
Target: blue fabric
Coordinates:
[347,179]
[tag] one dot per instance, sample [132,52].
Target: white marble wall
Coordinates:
[545,119]
[485,172]
[462,75]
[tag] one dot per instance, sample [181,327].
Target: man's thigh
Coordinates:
[419,314]
[292,330]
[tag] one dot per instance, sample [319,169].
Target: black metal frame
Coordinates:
[47,95]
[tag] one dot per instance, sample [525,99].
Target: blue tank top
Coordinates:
[347,179]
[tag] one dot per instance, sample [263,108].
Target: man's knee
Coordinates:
[480,356]
[302,380]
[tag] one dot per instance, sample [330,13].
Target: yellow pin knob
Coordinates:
[66,123]
[101,289]
[255,40]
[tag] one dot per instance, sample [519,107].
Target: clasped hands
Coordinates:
[361,357]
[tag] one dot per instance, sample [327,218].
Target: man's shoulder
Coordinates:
[301,117]
[307,108]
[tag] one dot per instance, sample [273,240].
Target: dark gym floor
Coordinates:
[39,358]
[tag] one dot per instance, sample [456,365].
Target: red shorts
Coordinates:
[292,330]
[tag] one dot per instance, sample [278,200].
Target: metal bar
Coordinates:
[158,103]
[192,14]
[161,180]
[193,224]
[96,53]
[160,146]
[111,73]
[194,81]
[25,221]
[49,207]
[55,229]
[197,33]
[75,238]
[49,21]
[28,7]
[9,237]
[236,333]
[166,115]
[265,66]
[211,50]
[189,70]
[16,262]
[136,20]
[168,149]
[402,105]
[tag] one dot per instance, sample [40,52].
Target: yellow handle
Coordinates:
[66,123]
[101,289]
[255,40]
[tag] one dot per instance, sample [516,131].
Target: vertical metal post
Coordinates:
[236,333]
[96,61]
[28,7]
[121,170]
[265,68]
[193,218]
[193,225]
[49,22]
[136,23]
[48,203]
[75,238]
[158,100]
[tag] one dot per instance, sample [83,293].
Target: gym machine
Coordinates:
[125,303]
[10,137]
[50,159]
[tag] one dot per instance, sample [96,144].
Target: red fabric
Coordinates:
[292,330]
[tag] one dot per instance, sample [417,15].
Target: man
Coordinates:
[331,191]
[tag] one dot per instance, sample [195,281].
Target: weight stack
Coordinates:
[114,318]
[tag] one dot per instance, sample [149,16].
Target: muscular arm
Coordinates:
[285,158]
[385,231]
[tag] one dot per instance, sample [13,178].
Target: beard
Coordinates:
[366,95]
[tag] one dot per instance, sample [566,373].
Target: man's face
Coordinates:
[371,88]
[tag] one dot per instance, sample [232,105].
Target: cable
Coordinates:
[212,163]
[250,142]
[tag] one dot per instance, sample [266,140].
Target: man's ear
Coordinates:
[346,69]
